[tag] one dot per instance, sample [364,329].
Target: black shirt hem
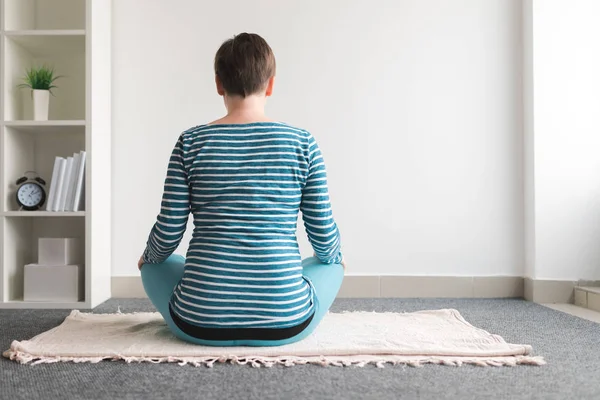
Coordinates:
[224,334]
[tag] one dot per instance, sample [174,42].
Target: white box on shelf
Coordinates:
[60,251]
[53,283]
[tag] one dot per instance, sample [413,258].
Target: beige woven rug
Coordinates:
[351,338]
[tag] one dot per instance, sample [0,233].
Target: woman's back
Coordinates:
[244,180]
[244,184]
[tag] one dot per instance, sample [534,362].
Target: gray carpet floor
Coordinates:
[570,345]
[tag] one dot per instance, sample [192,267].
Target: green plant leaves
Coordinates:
[41,78]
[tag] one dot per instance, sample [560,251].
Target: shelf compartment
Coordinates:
[44,14]
[66,53]
[34,151]
[20,247]
[49,43]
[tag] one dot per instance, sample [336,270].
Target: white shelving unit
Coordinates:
[74,37]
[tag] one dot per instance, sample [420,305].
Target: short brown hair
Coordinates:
[245,64]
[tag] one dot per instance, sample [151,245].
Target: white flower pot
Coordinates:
[41,103]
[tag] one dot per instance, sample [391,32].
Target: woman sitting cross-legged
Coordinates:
[244,178]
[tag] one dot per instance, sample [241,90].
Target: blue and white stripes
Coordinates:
[244,185]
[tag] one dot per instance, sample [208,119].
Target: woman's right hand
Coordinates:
[343,262]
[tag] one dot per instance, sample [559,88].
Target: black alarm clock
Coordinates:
[31,192]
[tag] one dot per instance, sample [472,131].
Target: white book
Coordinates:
[72,182]
[81,205]
[79,198]
[53,182]
[59,183]
[65,186]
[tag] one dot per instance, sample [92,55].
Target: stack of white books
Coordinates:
[67,184]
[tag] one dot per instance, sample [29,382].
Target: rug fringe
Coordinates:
[286,361]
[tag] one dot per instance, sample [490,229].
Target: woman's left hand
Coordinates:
[140,263]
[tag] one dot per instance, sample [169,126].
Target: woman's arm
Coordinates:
[171,222]
[317,215]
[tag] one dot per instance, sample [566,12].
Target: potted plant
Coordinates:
[41,82]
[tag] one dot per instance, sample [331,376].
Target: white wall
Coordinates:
[416,105]
[566,139]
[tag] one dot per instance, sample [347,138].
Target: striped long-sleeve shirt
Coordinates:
[244,185]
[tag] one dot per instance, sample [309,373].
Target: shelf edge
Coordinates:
[45,32]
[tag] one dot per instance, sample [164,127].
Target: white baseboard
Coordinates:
[373,286]
[128,287]
[549,291]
